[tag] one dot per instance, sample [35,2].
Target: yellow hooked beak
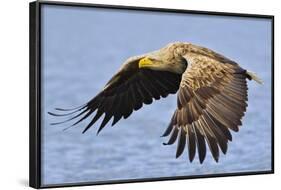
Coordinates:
[145,62]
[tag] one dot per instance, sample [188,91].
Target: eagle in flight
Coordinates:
[211,96]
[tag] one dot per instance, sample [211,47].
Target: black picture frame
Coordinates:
[35,92]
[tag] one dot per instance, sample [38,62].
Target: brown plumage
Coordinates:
[212,96]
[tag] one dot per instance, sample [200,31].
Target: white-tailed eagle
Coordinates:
[211,96]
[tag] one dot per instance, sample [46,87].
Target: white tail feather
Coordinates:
[255,77]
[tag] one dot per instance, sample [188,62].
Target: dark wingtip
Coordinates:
[67,127]
[191,160]
[216,159]
[61,109]
[224,151]
[58,115]
[201,160]
[116,119]
[70,109]
[98,132]
[167,131]
[84,130]
[50,113]
[73,110]
[57,123]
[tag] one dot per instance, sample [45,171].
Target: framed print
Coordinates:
[132,94]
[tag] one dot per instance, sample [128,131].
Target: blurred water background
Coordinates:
[83,47]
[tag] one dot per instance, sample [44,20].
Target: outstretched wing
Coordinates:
[126,91]
[211,100]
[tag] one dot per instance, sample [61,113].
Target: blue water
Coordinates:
[83,47]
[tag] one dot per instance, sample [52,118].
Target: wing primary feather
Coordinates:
[230,102]
[221,126]
[116,119]
[173,136]
[91,110]
[191,142]
[210,140]
[107,117]
[132,94]
[230,114]
[82,118]
[201,146]
[65,114]
[213,111]
[181,142]
[92,106]
[138,98]
[97,116]
[219,136]
[74,117]
[170,126]
[116,110]
[71,109]
[126,107]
